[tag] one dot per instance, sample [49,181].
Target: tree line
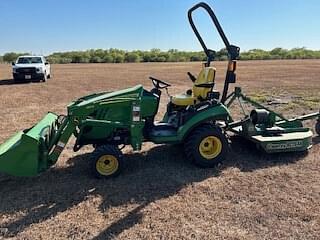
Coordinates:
[156,55]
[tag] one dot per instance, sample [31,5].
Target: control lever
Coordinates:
[192,77]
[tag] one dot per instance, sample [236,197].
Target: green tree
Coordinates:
[132,57]
[95,59]
[11,57]
[108,59]
[146,57]
[278,53]
[222,55]
[80,57]
[113,55]
[118,58]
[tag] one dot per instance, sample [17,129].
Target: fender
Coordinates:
[218,112]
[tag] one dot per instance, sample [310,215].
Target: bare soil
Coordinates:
[159,195]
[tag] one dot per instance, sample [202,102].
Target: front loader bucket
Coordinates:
[26,153]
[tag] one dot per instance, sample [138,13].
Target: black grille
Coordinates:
[30,70]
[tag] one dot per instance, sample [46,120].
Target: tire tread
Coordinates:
[191,145]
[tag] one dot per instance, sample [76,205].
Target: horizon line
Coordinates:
[149,50]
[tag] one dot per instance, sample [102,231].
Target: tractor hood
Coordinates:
[84,105]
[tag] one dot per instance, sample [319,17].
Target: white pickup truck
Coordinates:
[27,68]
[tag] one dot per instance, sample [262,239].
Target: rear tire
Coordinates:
[318,127]
[107,161]
[206,146]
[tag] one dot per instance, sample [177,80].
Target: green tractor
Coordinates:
[197,119]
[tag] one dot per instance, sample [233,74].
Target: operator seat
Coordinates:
[206,76]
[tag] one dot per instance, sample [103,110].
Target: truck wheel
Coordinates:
[318,127]
[206,146]
[106,161]
[45,77]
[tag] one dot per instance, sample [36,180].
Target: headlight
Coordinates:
[14,70]
[39,69]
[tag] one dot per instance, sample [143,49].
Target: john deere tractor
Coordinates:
[198,119]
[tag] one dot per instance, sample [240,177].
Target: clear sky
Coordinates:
[45,26]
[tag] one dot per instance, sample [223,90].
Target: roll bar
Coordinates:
[233,51]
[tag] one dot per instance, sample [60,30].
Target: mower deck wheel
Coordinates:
[206,146]
[106,161]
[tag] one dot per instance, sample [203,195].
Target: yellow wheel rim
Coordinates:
[210,147]
[107,165]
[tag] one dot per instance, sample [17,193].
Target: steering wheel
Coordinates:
[158,84]
[192,77]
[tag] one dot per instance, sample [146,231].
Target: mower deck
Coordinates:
[280,142]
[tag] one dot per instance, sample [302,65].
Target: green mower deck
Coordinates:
[281,142]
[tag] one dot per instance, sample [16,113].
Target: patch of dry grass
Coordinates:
[159,195]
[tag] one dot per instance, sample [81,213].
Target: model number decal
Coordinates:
[285,145]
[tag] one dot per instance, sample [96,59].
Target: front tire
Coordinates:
[107,161]
[45,77]
[206,146]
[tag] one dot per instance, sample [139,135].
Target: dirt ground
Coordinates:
[159,195]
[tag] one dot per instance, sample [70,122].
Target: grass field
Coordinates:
[160,196]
